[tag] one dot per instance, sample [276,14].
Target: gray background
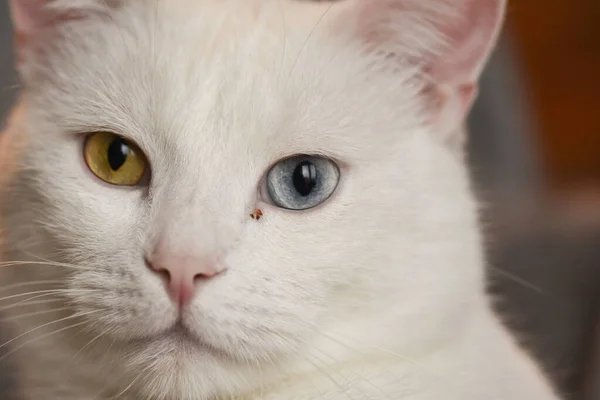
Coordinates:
[545,270]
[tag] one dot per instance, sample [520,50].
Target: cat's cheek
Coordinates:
[124,301]
[261,299]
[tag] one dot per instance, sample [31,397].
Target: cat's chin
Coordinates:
[180,339]
[179,364]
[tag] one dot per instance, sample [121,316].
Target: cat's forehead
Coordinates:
[156,58]
[242,78]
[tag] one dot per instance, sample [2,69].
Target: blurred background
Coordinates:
[535,158]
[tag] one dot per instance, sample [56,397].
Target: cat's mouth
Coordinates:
[179,331]
[184,339]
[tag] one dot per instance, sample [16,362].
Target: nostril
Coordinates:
[160,271]
[202,277]
[164,274]
[206,271]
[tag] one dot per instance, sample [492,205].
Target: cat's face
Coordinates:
[385,244]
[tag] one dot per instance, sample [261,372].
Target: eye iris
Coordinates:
[301,182]
[118,151]
[305,178]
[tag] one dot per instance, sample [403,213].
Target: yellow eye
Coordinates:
[114,159]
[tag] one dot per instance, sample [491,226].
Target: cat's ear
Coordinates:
[27,15]
[450,41]
[31,17]
[35,20]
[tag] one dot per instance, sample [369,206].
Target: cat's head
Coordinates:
[234,182]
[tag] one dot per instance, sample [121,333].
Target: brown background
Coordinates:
[558,43]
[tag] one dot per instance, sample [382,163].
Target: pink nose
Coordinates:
[182,274]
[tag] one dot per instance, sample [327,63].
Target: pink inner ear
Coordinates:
[28,15]
[470,40]
[375,17]
[32,16]
[451,38]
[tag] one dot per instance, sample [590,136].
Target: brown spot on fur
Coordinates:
[257,214]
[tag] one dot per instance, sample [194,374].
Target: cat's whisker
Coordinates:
[324,368]
[289,376]
[112,18]
[285,36]
[343,388]
[23,249]
[39,259]
[90,342]
[28,342]
[15,86]
[286,371]
[33,314]
[262,380]
[78,266]
[37,328]
[6,264]
[29,283]
[318,330]
[357,376]
[108,349]
[50,291]
[422,367]
[44,259]
[133,382]
[344,344]
[85,327]
[313,30]
[517,279]
[31,303]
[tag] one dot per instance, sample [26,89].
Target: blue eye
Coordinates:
[302,182]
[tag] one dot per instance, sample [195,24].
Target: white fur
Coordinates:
[378,293]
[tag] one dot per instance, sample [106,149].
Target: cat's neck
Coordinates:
[483,349]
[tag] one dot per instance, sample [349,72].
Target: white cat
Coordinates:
[250,199]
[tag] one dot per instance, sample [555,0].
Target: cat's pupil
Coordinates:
[117,154]
[305,178]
